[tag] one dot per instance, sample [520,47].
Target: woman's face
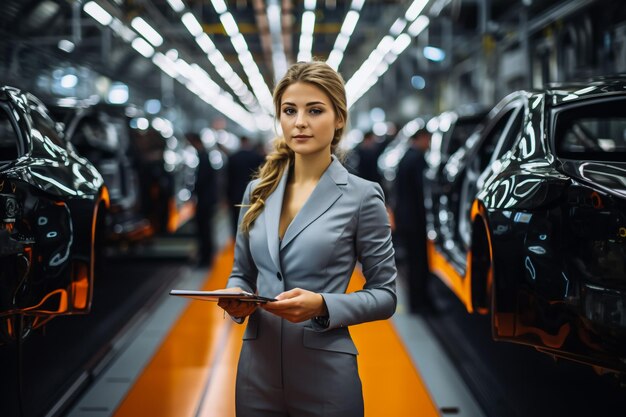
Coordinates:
[308,119]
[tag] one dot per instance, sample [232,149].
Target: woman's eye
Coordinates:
[316,111]
[289,111]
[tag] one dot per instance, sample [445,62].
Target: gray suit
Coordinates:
[306,369]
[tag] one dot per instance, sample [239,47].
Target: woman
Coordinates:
[305,222]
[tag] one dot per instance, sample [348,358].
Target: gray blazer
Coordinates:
[307,367]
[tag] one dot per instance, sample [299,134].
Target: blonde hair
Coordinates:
[322,76]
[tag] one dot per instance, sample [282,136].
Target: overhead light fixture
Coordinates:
[147,31]
[192,24]
[177,5]
[434,54]
[386,53]
[143,47]
[415,9]
[66,46]
[118,94]
[230,26]
[96,11]
[219,6]
[306,35]
[418,26]
[343,38]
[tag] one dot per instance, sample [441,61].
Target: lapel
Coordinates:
[273,207]
[326,192]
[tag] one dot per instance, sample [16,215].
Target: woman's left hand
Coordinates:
[297,305]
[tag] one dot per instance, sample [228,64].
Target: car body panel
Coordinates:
[536,238]
[49,202]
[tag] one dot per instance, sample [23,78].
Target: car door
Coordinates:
[497,138]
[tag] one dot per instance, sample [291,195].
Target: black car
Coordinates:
[101,132]
[449,131]
[52,202]
[534,226]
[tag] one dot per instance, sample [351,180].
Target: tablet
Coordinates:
[216,295]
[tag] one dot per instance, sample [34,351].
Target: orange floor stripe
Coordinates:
[391,384]
[193,373]
[172,383]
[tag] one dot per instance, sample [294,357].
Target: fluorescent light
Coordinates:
[166,64]
[418,26]
[415,9]
[122,30]
[349,22]
[96,11]
[205,43]
[147,31]
[66,45]
[69,81]
[239,43]
[308,22]
[192,24]
[398,26]
[434,54]
[230,26]
[400,44]
[143,47]
[334,59]
[118,94]
[357,4]
[219,6]
[177,5]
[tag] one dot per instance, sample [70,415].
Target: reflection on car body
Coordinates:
[101,133]
[449,131]
[533,227]
[51,200]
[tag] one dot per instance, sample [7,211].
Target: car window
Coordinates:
[459,133]
[8,138]
[46,127]
[592,131]
[513,132]
[490,143]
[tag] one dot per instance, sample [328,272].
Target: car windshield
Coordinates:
[595,131]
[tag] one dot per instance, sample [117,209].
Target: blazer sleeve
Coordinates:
[244,272]
[377,300]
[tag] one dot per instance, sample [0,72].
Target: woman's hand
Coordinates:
[297,305]
[236,308]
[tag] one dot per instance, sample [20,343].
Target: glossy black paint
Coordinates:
[102,133]
[541,237]
[449,131]
[50,199]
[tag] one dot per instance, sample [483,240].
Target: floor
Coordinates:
[180,360]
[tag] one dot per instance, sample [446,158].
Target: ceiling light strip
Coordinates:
[259,87]
[279,59]
[386,52]
[306,32]
[349,23]
[215,56]
[192,76]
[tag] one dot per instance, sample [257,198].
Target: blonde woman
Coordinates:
[305,222]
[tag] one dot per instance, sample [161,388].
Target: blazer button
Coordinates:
[279,276]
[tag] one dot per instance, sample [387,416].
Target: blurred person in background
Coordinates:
[367,153]
[410,220]
[242,165]
[207,197]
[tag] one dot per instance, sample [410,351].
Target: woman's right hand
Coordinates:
[236,308]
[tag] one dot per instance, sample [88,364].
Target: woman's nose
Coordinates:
[300,120]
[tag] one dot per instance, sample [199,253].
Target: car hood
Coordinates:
[609,176]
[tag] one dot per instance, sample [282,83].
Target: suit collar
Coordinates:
[326,192]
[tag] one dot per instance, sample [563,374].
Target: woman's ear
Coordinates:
[339,124]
